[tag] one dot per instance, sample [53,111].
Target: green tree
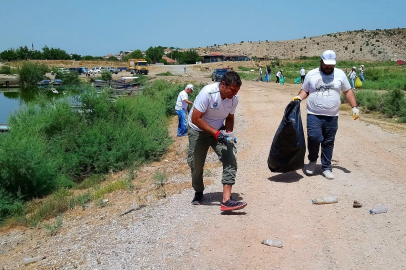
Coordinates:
[190,56]
[8,55]
[112,58]
[137,54]
[155,53]
[88,58]
[22,53]
[76,57]
[31,73]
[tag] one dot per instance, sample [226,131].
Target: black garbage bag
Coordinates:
[288,146]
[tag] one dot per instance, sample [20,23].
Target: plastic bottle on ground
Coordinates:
[378,210]
[325,200]
[273,242]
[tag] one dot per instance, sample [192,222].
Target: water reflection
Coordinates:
[14,98]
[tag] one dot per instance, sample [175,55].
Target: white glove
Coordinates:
[228,134]
[355,113]
[297,98]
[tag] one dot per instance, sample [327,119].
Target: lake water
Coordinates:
[9,102]
[15,98]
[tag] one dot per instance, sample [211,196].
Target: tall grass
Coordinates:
[51,146]
[391,103]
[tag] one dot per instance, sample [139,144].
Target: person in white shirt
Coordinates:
[278,76]
[302,74]
[260,74]
[182,103]
[352,75]
[211,123]
[361,73]
[322,86]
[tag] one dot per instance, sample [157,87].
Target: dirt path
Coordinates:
[172,234]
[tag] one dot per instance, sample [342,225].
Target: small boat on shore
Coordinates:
[44,82]
[99,83]
[57,82]
[4,128]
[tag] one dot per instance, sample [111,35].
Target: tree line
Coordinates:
[152,55]
[23,53]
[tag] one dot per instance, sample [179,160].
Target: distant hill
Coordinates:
[366,45]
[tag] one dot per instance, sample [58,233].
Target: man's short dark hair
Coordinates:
[231,78]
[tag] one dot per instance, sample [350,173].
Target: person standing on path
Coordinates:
[268,69]
[302,74]
[278,76]
[322,86]
[214,110]
[260,74]
[182,102]
[353,75]
[361,73]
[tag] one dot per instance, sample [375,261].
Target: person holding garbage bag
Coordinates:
[211,123]
[322,87]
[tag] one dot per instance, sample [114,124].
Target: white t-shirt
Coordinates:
[278,74]
[302,72]
[352,74]
[215,109]
[324,91]
[180,102]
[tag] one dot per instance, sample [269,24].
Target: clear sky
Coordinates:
[101,27]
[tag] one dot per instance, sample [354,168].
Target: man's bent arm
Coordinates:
[230,122]
[188,102]
[303,94]
[349,95]
[197,119]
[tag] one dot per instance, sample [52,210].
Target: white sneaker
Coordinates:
[328,174]
[310,167]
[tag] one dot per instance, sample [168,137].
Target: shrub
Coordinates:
[106,75]
[31,73]
[5,70]
[168,73]
[54,146]
[394,103]
[72,77]
[10,205]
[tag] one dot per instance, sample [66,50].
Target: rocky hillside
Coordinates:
[375,45]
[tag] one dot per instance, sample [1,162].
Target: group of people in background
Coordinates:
[353,75]
[268,73]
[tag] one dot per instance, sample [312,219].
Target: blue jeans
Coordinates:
[361,77]
[321,130]
[352,83]
[182,126]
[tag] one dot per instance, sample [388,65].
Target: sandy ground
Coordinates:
[172,234]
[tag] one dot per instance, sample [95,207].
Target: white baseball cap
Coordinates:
[190,86]
[329,57]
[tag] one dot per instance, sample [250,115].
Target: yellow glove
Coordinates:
[355,113]
[297,98]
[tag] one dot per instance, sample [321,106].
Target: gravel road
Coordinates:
[172,234]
